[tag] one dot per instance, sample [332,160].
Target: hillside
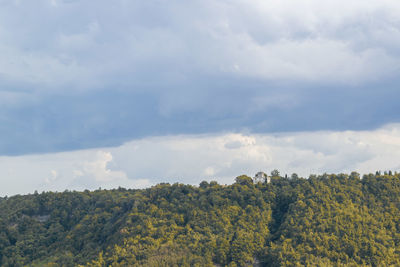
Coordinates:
[329,220]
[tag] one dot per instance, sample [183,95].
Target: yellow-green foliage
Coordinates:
[329,220]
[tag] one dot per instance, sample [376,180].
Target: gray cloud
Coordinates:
[82,74]
[101,118]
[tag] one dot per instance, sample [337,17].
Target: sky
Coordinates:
[133,93]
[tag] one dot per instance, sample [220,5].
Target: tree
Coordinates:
[244,180]
[275,173]
[294,176]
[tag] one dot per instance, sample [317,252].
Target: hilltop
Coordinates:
[328,220]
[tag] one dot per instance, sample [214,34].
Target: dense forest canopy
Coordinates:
[327,220]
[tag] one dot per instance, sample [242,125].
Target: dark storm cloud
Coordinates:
[108,118]
[83,74]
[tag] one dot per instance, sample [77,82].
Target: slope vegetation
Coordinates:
[329,220]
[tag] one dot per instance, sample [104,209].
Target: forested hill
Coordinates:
[329,220]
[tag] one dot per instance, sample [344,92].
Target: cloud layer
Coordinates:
[194,158]
[306,40]
[86,74]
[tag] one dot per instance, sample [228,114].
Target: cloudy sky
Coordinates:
[132,93]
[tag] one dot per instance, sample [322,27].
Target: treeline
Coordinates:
[327,220]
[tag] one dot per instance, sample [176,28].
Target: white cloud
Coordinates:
[79,170]
[95,172]
[99,170]
[53,177]
[191,159]
[62,43]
